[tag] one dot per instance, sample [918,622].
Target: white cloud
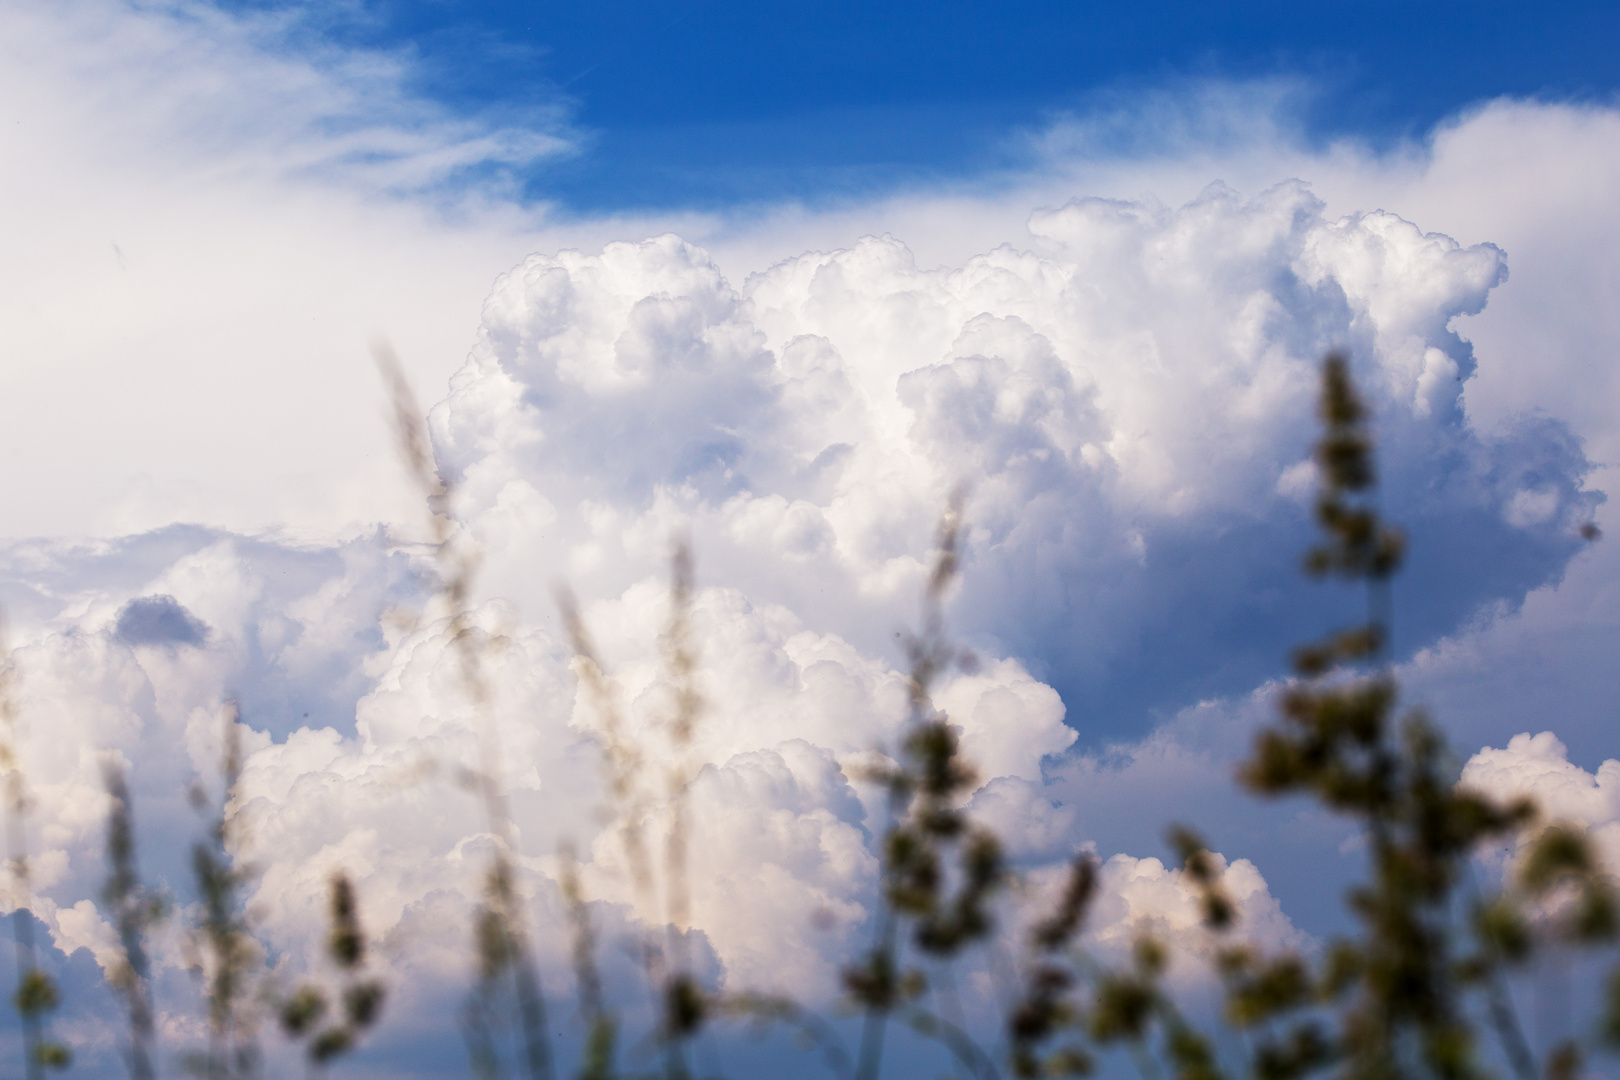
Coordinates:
[206,224]
[1538,767]
[208,217]
[1126,382]
[1142,896]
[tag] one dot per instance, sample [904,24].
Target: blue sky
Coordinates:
[711,103]
[781,277]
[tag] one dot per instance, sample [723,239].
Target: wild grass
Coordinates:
[506,964]
[222,947]
[36,996]
[1423,987]
[134,910]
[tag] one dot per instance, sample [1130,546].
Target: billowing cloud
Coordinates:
[1127,395]
[780,837]
[1538,767]
[1142,897]
[1123,383]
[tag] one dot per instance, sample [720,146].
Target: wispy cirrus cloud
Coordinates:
[223,96]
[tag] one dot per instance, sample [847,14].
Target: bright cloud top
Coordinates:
[1129,393]
[1538,767]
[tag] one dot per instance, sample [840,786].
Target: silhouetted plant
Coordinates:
[1399,988]
[36,997]
[1397,999]
[601,1026]
[622,759]
[360,998]
[1044,1030]
[134,910]
[941,908]
[223,948]
[684,1005]
[505,955]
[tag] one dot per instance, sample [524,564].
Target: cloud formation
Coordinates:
[259,87]
[1538,767]
[1124,384]
[1136,382]
[208,214]
[1127,398]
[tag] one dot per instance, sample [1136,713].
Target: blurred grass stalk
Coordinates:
[227,948]
[361,997]
[684,1005]
[134,911]
[36,997]
[502,935]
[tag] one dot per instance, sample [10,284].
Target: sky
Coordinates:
[713,104]
[778,279]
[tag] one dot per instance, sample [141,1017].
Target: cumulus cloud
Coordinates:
[805,428]
[1538,767]
[1125,395]
[781,839]
[1122,380]
[1142,896]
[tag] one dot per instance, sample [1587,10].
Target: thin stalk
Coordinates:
[231,1048]
[622,762]
[36,993]
[680,657]
[869,1062]
[458,565]
[929,655]
[133,912]
[22,922]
